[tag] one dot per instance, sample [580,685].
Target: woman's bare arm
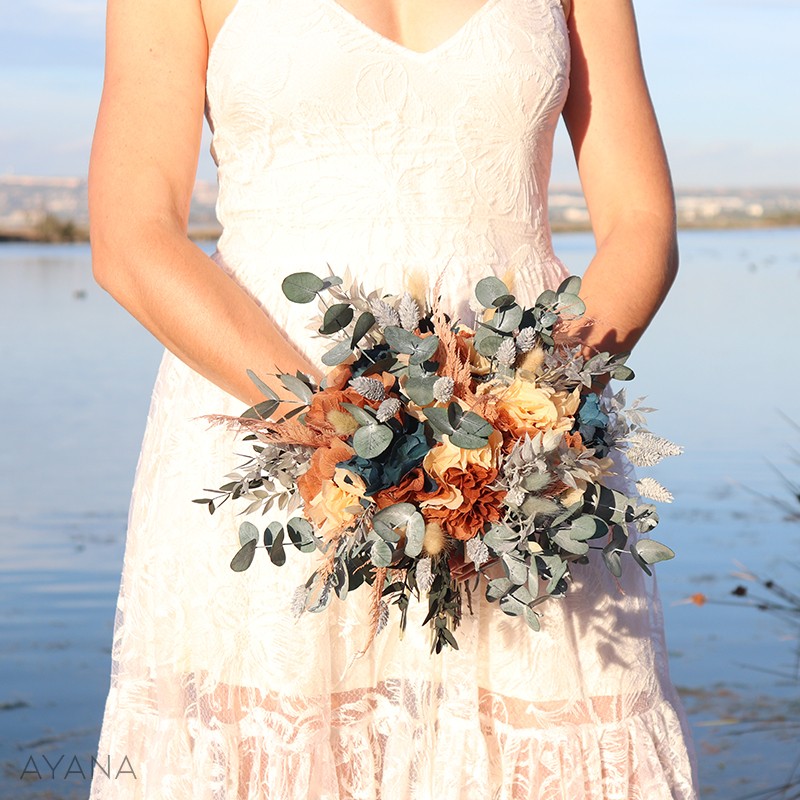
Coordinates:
[141,174]
[624,174]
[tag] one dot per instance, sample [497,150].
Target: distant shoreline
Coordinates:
[78,235]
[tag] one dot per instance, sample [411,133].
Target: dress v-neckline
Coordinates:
[409,52]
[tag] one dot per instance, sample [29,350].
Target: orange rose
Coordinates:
[322,468]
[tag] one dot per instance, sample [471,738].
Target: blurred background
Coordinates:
[719,362]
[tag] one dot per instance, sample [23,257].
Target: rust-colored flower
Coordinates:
[322,468]
[409,490]
[330,400]
[480,503]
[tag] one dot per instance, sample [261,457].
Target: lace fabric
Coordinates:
[336,146]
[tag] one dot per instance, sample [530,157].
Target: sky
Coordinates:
[723,76]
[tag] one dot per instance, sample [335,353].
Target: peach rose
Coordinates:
[331,508]
[530,408]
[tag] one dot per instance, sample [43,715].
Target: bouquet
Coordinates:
[432,446]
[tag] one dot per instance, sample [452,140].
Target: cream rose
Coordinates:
[535,408]
[328,510]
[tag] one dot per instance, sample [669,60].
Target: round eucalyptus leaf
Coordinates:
[467,441]
[651,551]
[420,390]
[336,355]
[587,527]
[622,373]
[511,606]
[570,285]
[270,532]
[546,298]
[613,562]
[566,542]
[302,287]
[370,441]
[380,554]
[244,558]
[400,339]
[332,280]
[424,349]
[438,420]
[571,303]
[488,344]
[396,515]
[247,532]
[490,289]
[497,588]
[336,318]
[506,319]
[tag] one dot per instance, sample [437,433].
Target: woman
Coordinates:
[394,138]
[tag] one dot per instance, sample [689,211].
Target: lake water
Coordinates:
[720,362]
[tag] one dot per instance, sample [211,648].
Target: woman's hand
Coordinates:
[141,175]
[624,175]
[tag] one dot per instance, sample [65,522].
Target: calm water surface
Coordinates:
[719,362]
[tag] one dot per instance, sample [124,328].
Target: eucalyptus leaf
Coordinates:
[497,588]
[247,532]
[566,542]
[302,287]
[511,606]
[270,532]
[385,531]
[244,558]
[490,290]
[438,419]
[532,618]
[300,389]
[336,318]
[651,551]
[396,515]
[262,410]
[587,527]
[570,285]
[487,342]
[337,354]
[415,534]
[420,390]
[622,373]
[363,416]
[370,441]
[262,387]
[380,554]
[400,339]
[276,553]
[424,349]
[362,327]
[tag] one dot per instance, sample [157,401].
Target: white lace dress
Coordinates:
[336,145]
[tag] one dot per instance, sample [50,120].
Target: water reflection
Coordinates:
[718,361]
